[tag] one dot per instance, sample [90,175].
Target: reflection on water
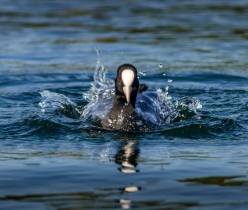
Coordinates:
[125,204]
[127,156]
[82,180]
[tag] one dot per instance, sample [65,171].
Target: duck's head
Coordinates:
[127,83]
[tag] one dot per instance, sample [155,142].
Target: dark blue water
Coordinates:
[53,159]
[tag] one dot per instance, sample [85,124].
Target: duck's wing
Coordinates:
[98,108]
[151,109]
[142,88]
[148,108]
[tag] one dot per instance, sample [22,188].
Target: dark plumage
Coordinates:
[122,114]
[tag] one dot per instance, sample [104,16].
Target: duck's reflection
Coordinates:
[127,155]
[125,204]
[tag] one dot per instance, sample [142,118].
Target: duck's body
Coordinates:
[130,107]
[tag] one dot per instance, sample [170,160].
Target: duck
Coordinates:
[122,104]
[122,115]
[126,104]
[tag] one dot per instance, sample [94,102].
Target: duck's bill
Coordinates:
[127,78]
[127,91]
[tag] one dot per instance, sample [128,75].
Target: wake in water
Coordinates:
[153,108]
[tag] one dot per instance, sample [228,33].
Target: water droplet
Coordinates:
[141,101]
[143,73]
[169,80]
[164,74]
[160,65]
[159,90]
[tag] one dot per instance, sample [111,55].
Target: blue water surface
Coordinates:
[51,158]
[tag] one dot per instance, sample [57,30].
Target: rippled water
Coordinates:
[52,159]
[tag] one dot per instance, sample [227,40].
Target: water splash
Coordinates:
[187,107]
[153,108]
[100,82]
[168,108]
[143,73]
[54,102]
[102,88]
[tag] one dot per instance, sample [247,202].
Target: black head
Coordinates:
[127,83]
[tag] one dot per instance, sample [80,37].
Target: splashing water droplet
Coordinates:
[169,80]
[143,73]
[160,65]
[164,74]
[159,90]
